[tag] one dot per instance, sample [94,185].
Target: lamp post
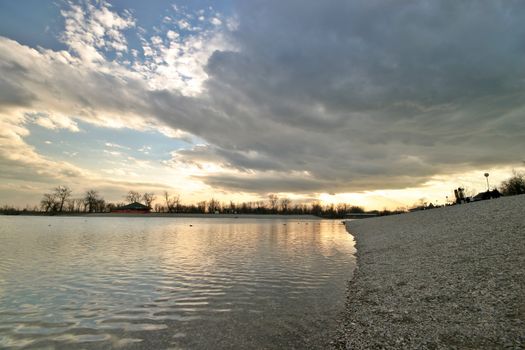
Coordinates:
[487,177]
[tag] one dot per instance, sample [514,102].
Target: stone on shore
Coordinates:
[446,278]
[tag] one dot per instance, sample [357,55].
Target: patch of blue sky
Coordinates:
[32,22]
[149,13]
[94,146]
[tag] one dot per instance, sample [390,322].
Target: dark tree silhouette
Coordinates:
[274,201]
[356,209]
[92,201]
[59,200]
[214,206]
[62,193]
[201,207]
[513,185]
[172,203]
[49,202]
[133,196]
[148,198]
[285,204]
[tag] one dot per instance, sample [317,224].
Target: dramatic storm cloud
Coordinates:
[300,97]
[364,95]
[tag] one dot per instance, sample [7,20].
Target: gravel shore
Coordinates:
[447,278]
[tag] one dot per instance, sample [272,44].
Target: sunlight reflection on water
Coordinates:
[159,283]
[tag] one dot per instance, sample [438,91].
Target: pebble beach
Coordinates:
[446,278]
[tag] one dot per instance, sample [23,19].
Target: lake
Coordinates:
[171,283]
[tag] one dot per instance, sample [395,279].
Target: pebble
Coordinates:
[446,278]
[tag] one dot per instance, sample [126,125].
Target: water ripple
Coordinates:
[128,283]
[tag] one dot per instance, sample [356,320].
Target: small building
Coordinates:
[133,208]
[486,195]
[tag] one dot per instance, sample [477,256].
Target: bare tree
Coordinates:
[259,206]
[49,202]
[316,209]
[232,208]
[285,204]
[357,209]
[342,209]
[421,203]
[274,200]
[214,206]
[167,199]
[172,203]
[100,205]
[70,205]
[80,204]
[201,207]
[513,185]
[62,193]
[133,196]
[92,200]
[148,198]
[109,207]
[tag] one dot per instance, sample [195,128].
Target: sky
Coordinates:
[376,103]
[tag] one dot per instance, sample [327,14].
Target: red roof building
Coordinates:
[133,208]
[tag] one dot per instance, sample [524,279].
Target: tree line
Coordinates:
[514,185]
[61,200]
[274,205]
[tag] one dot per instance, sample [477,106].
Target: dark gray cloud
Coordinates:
[11,93]
[369,94]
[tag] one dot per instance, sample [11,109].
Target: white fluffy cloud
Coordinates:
[90,28]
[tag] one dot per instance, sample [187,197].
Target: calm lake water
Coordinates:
[159,283]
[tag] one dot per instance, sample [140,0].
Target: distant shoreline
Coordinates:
[174,215]
[451,277]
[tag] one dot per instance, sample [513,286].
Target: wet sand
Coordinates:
[447,278]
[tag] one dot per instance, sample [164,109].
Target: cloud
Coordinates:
[54,123]
[93,27]
[20,161]
[115,145]
[113,153]
[176,60]
[368,95]
[347,96]
[145,149]
[215,21]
